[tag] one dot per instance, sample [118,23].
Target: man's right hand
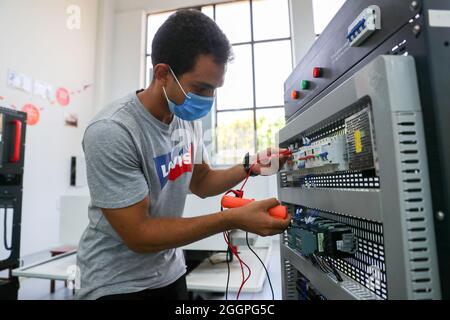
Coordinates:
[255,218]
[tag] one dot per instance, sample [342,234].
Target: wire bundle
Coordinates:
[232,251]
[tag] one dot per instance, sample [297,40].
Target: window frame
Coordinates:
[252,43]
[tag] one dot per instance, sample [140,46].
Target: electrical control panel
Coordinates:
[358,188]
[367,116]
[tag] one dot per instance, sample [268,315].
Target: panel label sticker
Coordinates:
[358,141]
[439,18]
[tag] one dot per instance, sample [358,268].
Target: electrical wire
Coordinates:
[246,179]
[324,267]
[233,251]
[242,264]
[264,266]
[229,259]
[335,272]
[244,279]
[316,263]
[327,267]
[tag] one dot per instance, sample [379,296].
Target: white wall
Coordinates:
[36,41]
[129,52]
[104,57]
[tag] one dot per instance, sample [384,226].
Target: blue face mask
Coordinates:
[193,108]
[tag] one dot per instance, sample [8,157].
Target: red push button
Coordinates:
[295,95]
[318,73]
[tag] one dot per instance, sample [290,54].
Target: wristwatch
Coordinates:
[247,165]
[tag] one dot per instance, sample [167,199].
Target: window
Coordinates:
[324,11]
[250,107]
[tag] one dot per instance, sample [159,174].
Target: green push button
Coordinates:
[305,85]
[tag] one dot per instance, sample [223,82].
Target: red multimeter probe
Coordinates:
[286,153]
[229,202]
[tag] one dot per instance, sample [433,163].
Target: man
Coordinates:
[144,153]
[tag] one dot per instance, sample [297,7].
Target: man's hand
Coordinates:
[270,161]
[255,218]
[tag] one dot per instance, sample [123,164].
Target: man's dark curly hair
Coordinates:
[185,36]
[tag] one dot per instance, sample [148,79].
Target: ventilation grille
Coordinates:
[345,180]
[415,205]
[290,278]
[327,131]
[357,290]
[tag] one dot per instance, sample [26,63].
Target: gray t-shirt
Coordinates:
[131,155]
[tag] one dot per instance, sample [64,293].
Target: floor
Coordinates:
[36,289]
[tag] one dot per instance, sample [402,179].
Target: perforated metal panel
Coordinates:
[415,204]
[345,180]
[368,266]
[396,257]
[289,277]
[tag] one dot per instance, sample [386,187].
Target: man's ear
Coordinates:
[161,73]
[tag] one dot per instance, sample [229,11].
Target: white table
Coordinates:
[205,278]
[57,268]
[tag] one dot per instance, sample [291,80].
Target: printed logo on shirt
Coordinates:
[170,167]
